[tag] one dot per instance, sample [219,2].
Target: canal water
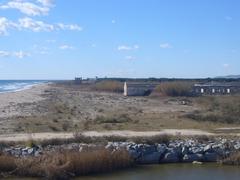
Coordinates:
[173,172]
[167,172]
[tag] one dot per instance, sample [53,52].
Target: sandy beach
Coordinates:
[10,101]
[62,108]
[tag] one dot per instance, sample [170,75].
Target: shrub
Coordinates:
[233,159]
[123,118]
[110,86]
[174,88]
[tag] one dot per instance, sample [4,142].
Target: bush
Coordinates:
[233,159]
[174,88]
[109,86]
[123,118]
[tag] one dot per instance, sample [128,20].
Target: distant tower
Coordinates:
[125,89]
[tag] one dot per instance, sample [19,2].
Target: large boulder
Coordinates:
[161,148]
[197,149]
[185,150]
[170,157]
[210,157]
[134,153]
[237,146]
[151,158]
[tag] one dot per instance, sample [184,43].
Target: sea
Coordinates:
[18,85]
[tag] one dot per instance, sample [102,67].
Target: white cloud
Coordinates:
[128,48]
[165,45]
[228,18]
[65,47]
[113,21]
[28,8]
[5,24]
[48,3]
[20,54]
[33,25]
[69,27]
[36,26]
[130,57]
[4,53]
[17,54]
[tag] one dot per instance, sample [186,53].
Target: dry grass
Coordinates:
[109,86]
[63,165]
[7,163]
[233,159]
[223,109]
[122,118]
[80,138]
[174,88]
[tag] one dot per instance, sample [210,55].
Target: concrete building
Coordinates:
[216,88]
[78,80]
[138,89]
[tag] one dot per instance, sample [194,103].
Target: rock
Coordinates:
[30,151]
[208,148]
[148,149]
[170,157]
[185,150]
[192,157]
[109,146]
[210,157]
[197,150]
[197,162]
[37,153]
[134,153]
[237,146]
[152,158]
[161,148]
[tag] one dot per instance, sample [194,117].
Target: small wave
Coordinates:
[12,86]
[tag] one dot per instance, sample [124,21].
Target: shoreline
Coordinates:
[77,158]
[21,102]
[27,87]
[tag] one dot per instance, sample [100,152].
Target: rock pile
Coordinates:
[189,150]
[178,151]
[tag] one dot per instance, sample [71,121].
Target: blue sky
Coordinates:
[47,39]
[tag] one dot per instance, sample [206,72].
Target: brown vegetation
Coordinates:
[109,86]
[174,88]
[63,165]
[223,109]
[233,159]
[123,118]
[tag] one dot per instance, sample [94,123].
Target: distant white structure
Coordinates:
[138,89]
[217,88]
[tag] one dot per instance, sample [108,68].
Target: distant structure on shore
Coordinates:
[80,80]
[138,89]
[217,88]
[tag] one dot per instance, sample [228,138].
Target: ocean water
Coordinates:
[18,85]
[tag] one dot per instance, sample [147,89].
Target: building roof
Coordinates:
[141,84]
[218,84]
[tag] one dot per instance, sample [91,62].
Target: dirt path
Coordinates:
[40,136]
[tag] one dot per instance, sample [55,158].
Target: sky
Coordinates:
[60,39]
